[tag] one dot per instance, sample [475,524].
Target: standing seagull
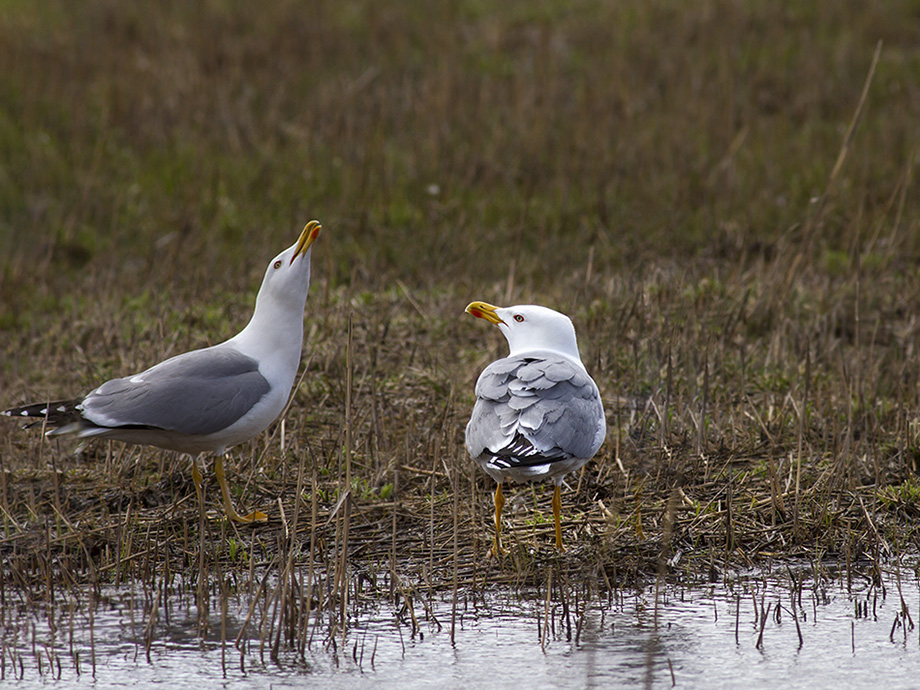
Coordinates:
[538,414]
[205,400]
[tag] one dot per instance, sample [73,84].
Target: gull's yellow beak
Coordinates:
[307,237]
[482,310]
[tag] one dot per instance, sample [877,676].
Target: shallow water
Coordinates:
[718,636]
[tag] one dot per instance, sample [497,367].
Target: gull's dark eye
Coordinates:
[278,264]
[518,318]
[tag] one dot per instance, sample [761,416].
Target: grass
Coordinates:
[664,174]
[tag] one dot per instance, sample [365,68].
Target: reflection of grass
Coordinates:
[649,168]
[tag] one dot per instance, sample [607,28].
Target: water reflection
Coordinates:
[751,631]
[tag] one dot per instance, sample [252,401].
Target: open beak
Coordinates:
[307,237]
[482,310]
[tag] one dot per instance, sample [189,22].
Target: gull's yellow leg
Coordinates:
[557,510]
[254,516]
[497,549]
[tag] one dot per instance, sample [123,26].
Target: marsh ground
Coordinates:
[730,220]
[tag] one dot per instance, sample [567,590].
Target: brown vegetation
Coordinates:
[733,229]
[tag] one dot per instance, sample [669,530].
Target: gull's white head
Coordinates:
[287,278]
[530,327]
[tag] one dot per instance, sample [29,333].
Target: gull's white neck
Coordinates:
[559,340]
[569,353]
[274,337]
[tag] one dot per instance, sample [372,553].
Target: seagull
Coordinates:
[538,414]
[207,400]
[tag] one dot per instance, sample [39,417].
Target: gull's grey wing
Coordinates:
[534,409]
[198,393]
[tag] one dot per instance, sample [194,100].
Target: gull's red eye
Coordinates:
[518,318]
[278,264]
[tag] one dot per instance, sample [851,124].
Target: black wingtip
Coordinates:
[51,413]
[522,453]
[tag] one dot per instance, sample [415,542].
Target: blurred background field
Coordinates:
[672,175]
